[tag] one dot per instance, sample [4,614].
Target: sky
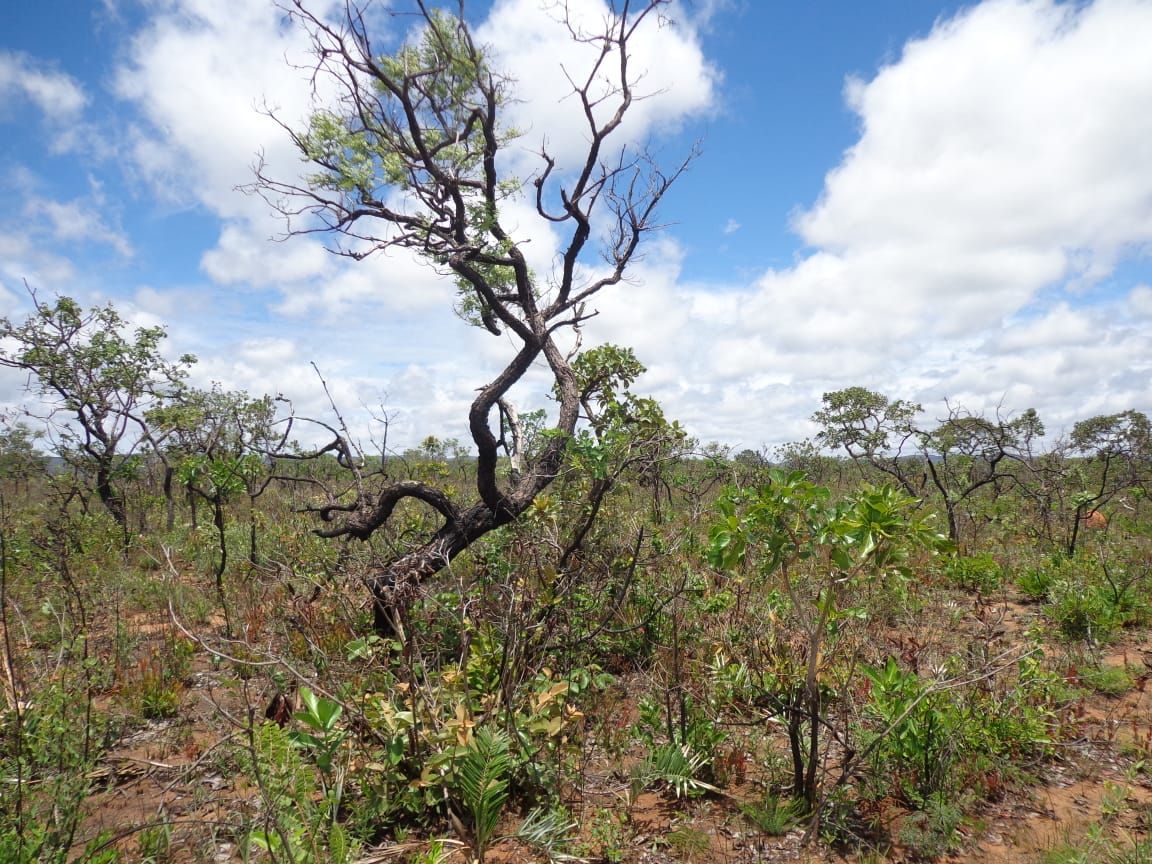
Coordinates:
[945,202]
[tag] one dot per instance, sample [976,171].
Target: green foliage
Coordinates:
[1036,582]
[323,739]
[1085,599]
[626,430]
[432,98]
[1096,847]
[155,843]
[820,554]
[858,419]
[155,691]
[299,814]
[425,740]
[19,459]
[675,766]
[480,779]
[919,729]
[872,531]
[51,750]
[217,438]
[1127,433]
[774,816]
[549,832]
[87,367]
[1108,680]
[931,833]
[609,835]
[692,727]
[1080,610]
[86,360]
[980,573]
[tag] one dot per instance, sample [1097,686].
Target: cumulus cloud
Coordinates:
[200,72]
[1002,171]
[1001,158]
[41,236]
[242,255]
[533,46]
[79,221]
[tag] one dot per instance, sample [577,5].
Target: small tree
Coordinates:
[410,156]
[874,431]
[967,453]
[217,441]
[1119,452]
[963,454]
[98,378]
[19,460]
[816,552]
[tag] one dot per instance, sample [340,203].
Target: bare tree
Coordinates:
[409,155]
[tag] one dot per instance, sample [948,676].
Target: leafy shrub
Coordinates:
[775,816]
[1108,680]
[51,750]
[1036,582]
[921,732]
[980,573]
[931,833]
[1081,611]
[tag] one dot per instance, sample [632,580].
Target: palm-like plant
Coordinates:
[482,783]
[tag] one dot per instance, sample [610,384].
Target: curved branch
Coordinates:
[365,517]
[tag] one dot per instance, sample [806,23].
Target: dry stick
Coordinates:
[10,691]
[192,766]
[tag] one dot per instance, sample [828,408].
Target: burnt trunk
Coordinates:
[191,497]
[110,497]
[389,584]
[221,538]
[169,502]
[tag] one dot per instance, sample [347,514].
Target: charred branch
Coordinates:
[365,517]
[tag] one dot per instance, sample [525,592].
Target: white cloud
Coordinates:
[1002,170]
[1140,301]
[667,67]
[244,255]
[79,220]
[200,72]
[1016,125]
[23,260]
[58,96]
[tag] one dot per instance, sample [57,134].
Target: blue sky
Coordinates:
[938,201]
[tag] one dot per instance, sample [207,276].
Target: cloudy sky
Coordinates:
[934,200]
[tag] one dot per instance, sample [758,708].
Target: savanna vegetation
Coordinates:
[582,636]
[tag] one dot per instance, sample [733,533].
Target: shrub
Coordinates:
[980,573]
